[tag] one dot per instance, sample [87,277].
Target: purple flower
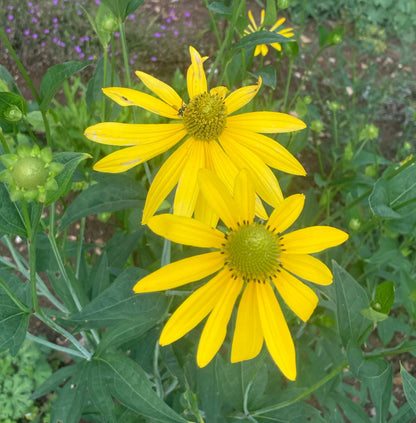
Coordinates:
[8,30]
[153,59]
[81,55]
[32,11]
[46,31]
[176,33]
[34,20]
[79,12]
[73,37]
[91,57]
[163,27]
[10,7]
[158,34]
[187,14]
[168,20]
[55,20]
[117,34]
[26,32]
[10,17]
[42,44]
[132,17]
[30,4]
[55,39]
[97,1]
[55,2]
[34,36]
[78,49]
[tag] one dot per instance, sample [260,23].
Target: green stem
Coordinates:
[4,142]
[29,83]
[305,393]
[288,79]
[213,23]
[105,71]
[79,248]
[125,53]
[53,346]
[13,297]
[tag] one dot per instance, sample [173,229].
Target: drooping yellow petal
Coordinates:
[248,334]
[165,180]
[277,24]
[253,22]
[287,32]
[298,296]
[276,46]
[264,49]
[126,158]
[276,333]
[265,122]
[129,97]
[193,309]
[196,79]
[258,50]
[241,97]
[181,272]
[286,213]
[185,230]
[215,328]
[227,172]
[269,150]
[307,267]
[188,189]
[128,134]
[312,239]
[265,182]
[244,196]
[218,197]
[162,90]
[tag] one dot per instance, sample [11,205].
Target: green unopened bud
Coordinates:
[14,114]
[371,171]
[29,173]
[348,152]
[407,146]
[109,24]
[333,105]
[354,224]
[307,99]
[369,132]
[335,37]
[317,125]
[291,48]
[283,4]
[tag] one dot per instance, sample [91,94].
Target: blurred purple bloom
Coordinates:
[168,20]
[163,27]
[8,30]
[79,12]
[78,49]
[26,32]
[97,1]
[73,37]
[34,36]
[153,59]
[176,33]
[10,7]
[117,34]
[46,31]
[32,11]
[55,20]
[34,20]
[81,55]
[30,4]
[10,17]
[55,39]
[55,2]
[187,15]
[132,17]
[158,34]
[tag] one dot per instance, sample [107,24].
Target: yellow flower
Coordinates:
[252,28]
[250,258]
[214,140]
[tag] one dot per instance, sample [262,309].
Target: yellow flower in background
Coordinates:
[252,28]
[214,139]
[250,258]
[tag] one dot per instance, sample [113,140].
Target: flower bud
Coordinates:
[109,24]
[14,114]
[354,224]
[283,4]
[317,125]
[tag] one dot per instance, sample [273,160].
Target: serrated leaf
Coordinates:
[130,386]
[54,78]
[11,221]
[64,178]
[113,193]
[409,386]
[351,299]
[118,302]
[260,37]
[124,332]
[13,321]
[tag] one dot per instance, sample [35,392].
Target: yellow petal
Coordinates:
[215,328]
[248,335]
[269,150]
[193,309]
[219,91]
[286,213]
[185,230]
[196,79]
[205,213]
[188,189]
[125,159]
[262,16]
[244,196]
[276,46]
[287,32]
[265,182]
[218,197]
[298,296]
[253,22]
[162,90]
[258,50]
[180,273]
[227,172]
[276,333]
[264,49]
[312,239]
[129,97]
[165,180]
[241,97]
[277,24]
[265,122]
[307,267]
[127,134]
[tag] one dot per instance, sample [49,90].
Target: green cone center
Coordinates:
[253,253]
[29,173]
[205,116]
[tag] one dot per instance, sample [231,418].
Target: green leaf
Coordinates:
[351,299]
[11,221]
[118,302]
[260,37]
[271,13]
[120,246]
[12,107]
[268,75]
[122,8]
[68,406]
[404,415]
[409,386]
[112,193]
[384,297]
[220,8]
[99,276]
[13,321]
[98,380]
[54,78]
[323,35]
[64,178]
[380,386]
[125,331]
[379,200]
[9,80]
[352,410]
[131,387]
[57,378]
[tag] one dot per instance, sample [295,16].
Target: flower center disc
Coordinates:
[253,253]
[205,116]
